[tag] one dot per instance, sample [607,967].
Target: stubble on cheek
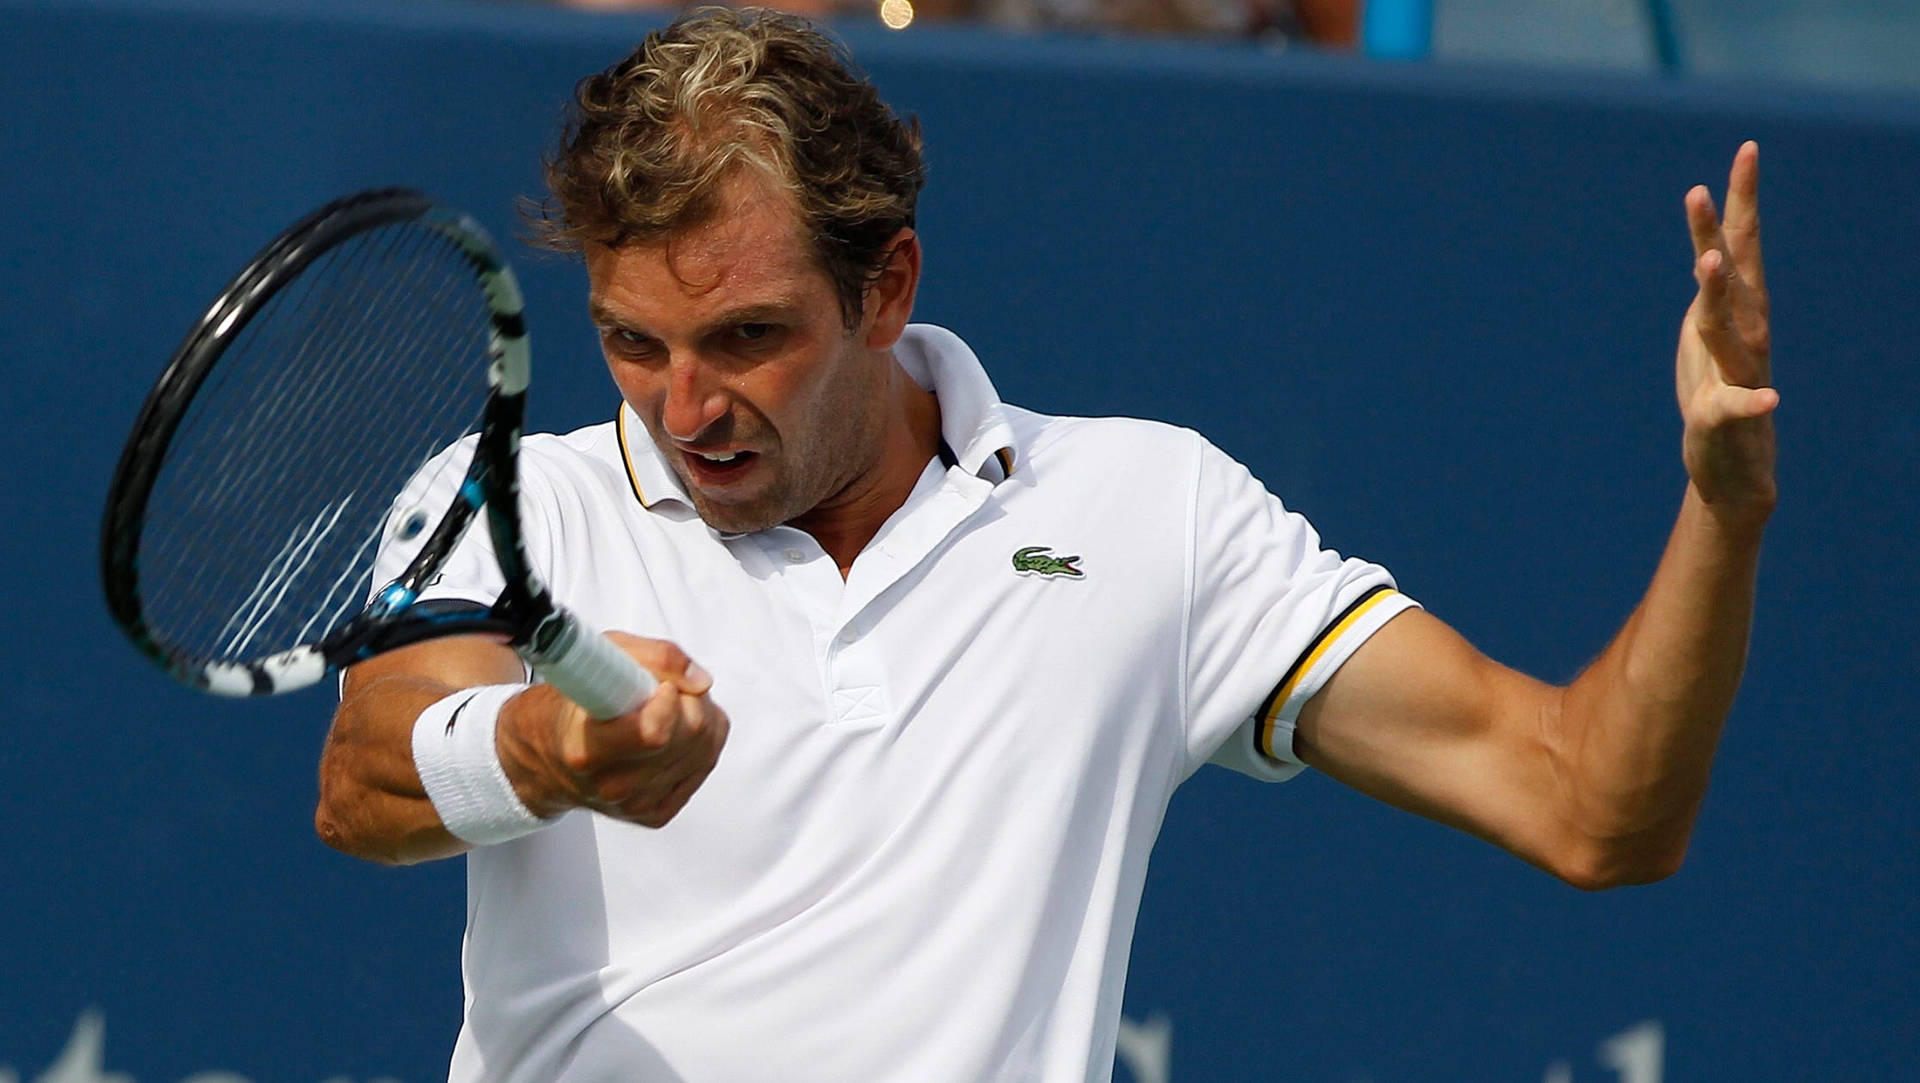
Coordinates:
[819,455]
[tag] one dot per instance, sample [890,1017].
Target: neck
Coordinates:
[845,524]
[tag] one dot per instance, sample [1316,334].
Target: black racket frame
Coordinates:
[521,616]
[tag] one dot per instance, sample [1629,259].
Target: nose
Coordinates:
[695,400]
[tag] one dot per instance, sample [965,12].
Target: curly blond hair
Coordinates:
[652,139]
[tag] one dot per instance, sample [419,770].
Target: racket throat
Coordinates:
[551,635]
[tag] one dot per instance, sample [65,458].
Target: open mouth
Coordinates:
[718,467]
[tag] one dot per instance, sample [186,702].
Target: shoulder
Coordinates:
[589,455]
[1129,472]
[590,441]
[1108,444]
[1132,455]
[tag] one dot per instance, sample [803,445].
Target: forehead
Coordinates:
[753,249]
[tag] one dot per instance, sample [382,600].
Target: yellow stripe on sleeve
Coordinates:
[1263,738]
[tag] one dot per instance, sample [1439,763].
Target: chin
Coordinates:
[736,518]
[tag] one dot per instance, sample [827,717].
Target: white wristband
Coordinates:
[454,752]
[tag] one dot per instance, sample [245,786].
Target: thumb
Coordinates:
[666,661]
[1734,403]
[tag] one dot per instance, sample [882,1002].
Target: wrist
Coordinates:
[1743,515]
[457,757]
[525,743]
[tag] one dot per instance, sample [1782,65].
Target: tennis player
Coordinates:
[932,664]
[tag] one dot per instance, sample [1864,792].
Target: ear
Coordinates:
[890,298]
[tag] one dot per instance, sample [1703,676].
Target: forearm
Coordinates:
[372,803]
[1641,724]
[640,767]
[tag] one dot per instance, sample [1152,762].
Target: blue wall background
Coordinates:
[1434,309]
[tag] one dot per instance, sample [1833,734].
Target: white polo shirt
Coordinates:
[922,852]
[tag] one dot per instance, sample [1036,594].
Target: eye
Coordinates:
[754,332]
[624,342]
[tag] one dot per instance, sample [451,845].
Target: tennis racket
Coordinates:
[330,402]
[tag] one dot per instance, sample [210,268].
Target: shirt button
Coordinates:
[795,556]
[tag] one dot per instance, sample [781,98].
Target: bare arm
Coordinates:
[641,767]
[1598,782]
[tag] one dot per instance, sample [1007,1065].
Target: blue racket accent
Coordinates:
[392,599]
[411,526]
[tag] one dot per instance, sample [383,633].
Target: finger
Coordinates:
[1746,305]
[1716,315]
[666,661]
[639,735]
[663,721]
[1741,227]
[653,794]
[1713,315]
[639,782]
[1709,232]
[662,811]
[699,731]
[674,726]
[701,726]
[1703,221]
[1731,403]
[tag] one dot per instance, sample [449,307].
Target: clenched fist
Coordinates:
[640,767]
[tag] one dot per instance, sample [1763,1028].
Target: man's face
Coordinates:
[727,340]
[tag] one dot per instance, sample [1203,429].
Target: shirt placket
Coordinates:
[847,614]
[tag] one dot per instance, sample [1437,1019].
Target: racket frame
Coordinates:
[583,665]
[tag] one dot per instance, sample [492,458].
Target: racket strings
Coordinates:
[313,369]
[263,526]
[322,374]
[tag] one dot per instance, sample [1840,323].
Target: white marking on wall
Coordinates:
[81,1061]
[1147,1048]
[1637,1053]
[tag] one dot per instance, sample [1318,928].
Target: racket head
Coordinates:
[266,465]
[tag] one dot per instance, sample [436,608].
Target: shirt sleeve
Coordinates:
[1271,616]
[470,573]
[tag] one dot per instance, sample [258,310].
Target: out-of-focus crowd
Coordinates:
[1330,23]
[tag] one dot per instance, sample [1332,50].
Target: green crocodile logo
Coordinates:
[1035,560]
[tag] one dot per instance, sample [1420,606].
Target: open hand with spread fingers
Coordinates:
[1723,372]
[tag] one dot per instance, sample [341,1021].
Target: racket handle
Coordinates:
[588,669]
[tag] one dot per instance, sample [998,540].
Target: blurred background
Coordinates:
[1419,265]
[1851,43]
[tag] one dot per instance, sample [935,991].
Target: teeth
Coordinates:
[726,458]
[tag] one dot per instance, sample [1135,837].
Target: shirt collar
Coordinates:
[973,420]
[651,479]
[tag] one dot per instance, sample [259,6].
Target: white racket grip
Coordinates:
[588,669]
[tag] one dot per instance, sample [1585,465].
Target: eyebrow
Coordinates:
[603,315]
